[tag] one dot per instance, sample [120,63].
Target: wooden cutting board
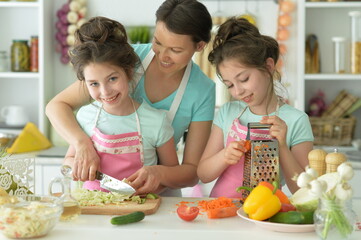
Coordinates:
[149,207]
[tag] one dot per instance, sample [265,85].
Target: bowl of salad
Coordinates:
[30,216]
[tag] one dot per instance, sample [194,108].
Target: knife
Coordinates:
[114,185]
[107,182]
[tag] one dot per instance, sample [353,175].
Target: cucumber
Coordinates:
[128,218]
[152,196]
[293,217]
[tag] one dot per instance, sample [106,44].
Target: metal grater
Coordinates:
[262,161]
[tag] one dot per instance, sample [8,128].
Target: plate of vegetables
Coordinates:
[268,207]
[279,227]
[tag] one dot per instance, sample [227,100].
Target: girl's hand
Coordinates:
[145,180]
[278,129]
[86,162]
[234,152]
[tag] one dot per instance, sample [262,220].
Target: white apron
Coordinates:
[175,104]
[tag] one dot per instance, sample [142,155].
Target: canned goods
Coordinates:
[20,56]
[355,41]
[34,54]
[3,61]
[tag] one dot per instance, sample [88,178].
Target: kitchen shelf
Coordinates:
[332,4]
[333,76]
[19,4]
[19,75]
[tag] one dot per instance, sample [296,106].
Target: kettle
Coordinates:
[14,115]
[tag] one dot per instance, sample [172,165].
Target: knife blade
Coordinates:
[114,185]
[107,182]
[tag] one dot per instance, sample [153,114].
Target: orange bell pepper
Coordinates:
[262,203]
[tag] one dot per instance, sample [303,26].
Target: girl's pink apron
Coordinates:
[121,155]
[232,177]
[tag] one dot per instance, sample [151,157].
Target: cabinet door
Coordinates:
[43,176]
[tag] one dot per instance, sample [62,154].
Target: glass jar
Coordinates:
[20,56]
[355,41]
[4,62]
[339,54]
[334,219]
[71,206]
[34,54]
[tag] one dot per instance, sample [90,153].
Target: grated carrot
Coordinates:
[221,202]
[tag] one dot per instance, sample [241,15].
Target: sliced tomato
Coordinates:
[187,213]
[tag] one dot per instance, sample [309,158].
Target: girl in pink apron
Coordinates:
[121,154]
[105,62]
[232,177]
[246,62]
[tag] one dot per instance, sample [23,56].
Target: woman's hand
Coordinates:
[86,162]
[234,152]
[145,180]
[278,129]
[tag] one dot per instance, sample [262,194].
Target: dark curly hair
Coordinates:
[103,40]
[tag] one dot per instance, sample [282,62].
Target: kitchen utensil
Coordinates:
[114,185]
[14,115]
[107,182]
[262,161]
[150,206]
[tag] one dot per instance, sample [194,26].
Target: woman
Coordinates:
[182,28]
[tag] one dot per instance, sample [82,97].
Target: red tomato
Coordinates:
[285,207]
[187,213]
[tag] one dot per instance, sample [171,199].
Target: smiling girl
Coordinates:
[130,137]
[170,81]
[245,61]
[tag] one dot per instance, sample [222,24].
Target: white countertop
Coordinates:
[165,225]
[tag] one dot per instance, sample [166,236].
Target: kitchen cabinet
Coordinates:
[21,20]
[45,171]
[326,20]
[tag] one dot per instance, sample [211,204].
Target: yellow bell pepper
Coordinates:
[262,203]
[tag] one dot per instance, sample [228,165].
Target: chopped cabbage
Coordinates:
[86,197]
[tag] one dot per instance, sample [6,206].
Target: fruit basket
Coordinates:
[333,131]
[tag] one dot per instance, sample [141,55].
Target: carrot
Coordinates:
[218,208]
[281,195]
[222,212]
[247,145]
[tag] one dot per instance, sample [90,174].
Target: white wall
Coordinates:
[128,13]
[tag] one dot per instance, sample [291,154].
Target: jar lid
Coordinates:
[17,40]
[338,39]
[354,13]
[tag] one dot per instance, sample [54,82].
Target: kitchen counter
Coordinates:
[165,225]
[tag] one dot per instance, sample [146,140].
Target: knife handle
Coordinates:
[99,175]
[67,172]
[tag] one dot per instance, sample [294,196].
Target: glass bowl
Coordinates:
[31,216]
